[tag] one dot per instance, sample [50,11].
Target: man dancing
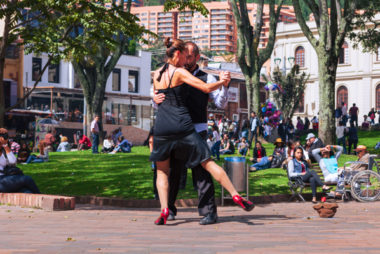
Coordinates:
[197,104]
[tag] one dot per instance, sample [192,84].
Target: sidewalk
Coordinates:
[272,228]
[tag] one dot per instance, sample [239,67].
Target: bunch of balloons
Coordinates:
[271,114]
[272,86]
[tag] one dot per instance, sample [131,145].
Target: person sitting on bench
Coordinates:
[298,169]
[328,162]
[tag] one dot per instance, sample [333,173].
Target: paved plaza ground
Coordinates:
[272,228]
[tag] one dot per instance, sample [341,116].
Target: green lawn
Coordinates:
[129,176]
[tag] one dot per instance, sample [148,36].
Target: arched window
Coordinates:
[344,54]
[342,95]
[378,97]
[300,56]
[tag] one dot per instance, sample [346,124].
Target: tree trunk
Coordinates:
[94,108]
[327,73]
[255,99]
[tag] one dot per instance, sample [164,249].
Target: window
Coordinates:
[378,97]
[378,54]
[343,54]
[116,79]
[300,56]
[342,95]
[133,82]
[12,51]
[36,68]
[53,73]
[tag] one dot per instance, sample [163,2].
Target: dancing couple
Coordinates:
[174,132]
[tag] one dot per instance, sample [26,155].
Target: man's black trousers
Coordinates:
[202,181]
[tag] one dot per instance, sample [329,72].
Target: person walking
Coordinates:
[352,137]
[174,132]
[354,112]
[95,134]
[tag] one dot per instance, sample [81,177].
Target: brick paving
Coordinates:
[273,228]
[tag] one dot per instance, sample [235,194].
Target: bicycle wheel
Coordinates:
[365,186]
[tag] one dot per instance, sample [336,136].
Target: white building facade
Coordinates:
[358,73]
[127,97]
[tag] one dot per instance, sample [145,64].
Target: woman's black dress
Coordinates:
[174,133]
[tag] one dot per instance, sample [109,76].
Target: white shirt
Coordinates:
[107,143]
[254,124]
[339,131]
[94,126]
[216,136]
[344,110]
[218,96]
[3,162]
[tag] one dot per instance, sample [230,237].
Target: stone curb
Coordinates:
[43,201]
[150,203]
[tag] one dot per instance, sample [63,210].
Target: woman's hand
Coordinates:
[3,141]
[225,76]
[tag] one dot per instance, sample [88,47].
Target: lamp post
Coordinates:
[277,61]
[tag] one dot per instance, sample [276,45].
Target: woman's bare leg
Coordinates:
[220,176]
[163,168]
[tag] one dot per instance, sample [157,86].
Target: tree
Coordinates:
[51,28]
[289,96]
[94,69]
[334,20]
[250,58]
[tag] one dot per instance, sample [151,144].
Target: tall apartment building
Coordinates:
[216,32]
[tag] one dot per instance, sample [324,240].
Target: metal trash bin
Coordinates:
[237,171]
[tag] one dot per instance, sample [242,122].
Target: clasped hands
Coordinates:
[225,76]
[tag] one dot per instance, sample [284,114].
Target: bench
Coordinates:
[42,201]
[297,187]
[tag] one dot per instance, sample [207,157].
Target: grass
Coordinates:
[129,176]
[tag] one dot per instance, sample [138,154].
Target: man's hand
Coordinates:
[226,77]
[158,98]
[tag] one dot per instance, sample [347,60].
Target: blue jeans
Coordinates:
[95,142]
[243,151]
[342,141]
[215,150]
[123,149]
[263,164]
[32,158]
[18,183]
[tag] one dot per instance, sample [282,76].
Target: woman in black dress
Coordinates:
[174,133]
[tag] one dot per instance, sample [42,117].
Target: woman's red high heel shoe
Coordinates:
[163,217]
[245,204]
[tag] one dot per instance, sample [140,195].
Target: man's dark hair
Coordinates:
[195,47]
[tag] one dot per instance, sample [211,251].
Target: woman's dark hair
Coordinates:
[215,128]
[295,150]
[172,46]
[258,142]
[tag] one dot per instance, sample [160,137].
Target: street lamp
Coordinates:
[291,60]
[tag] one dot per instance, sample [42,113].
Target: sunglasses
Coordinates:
[4,135]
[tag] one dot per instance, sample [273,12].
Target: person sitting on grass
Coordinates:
[64,146]
[84,143]
[298,169]
[243,147]
[15,147]
[43,156]
[123,146]
[228,145]
[12,183]
[23,153]
[108,144]
[258,152]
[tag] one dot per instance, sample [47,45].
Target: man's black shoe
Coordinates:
[171,216]
[210,218]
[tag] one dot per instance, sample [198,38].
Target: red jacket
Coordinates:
[85,140]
